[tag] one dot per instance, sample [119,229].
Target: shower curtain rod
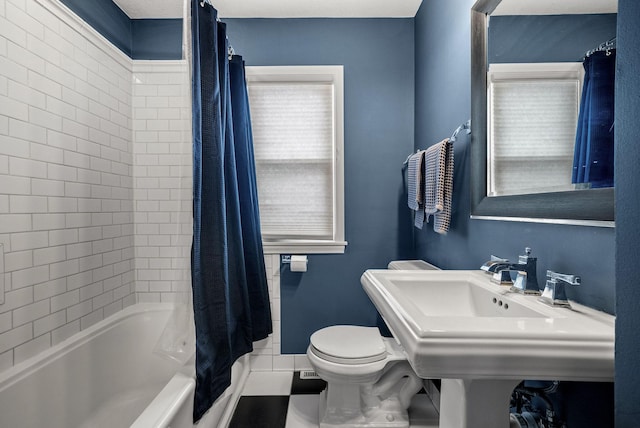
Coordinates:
[230,51]
[607,46]
[204,2]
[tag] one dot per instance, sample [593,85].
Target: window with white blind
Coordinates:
[533,110]
[297,123]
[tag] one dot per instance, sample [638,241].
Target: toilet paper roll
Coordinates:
[299,263]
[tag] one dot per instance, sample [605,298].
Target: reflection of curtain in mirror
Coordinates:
[593,155]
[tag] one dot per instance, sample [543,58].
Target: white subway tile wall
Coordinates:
[66,178]
[162,180]
[95,183]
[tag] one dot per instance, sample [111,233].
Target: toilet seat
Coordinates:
[348,344]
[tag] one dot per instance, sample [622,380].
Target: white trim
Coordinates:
[541,70]
[554,7]
[295,73]
[339,174]
[333,74]
[68,17]
[159,66]
[304,247]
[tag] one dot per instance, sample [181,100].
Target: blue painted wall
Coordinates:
[151,39]
[442,103]
[156,39]
[627,159]
[377,55]
[547,38]
[107,18]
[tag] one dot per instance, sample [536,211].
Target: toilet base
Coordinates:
[344,414]
[362,394]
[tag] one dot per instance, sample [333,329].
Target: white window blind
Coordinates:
[297,143]
[533,110]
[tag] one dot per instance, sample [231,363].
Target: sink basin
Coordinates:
[452,297]
[482,339]
[458,324]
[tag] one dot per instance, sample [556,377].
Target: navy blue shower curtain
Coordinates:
[230,297]
[593,151]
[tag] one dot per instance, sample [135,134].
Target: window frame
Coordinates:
[333,74]
[504,72]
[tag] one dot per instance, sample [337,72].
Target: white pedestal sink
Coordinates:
[482,340]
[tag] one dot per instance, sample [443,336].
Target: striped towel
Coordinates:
[415,187]
[438,184]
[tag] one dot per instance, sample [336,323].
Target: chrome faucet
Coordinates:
[499,268]
[554,293]
[526,281]
[494,264]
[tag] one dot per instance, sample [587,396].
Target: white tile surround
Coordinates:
[66,184]
[162,179]
[95,183]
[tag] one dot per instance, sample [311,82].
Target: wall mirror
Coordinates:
[542,140]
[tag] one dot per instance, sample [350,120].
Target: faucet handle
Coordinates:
[569,279]
[554,294]
[526,257]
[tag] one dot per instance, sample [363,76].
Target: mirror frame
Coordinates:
[590,207]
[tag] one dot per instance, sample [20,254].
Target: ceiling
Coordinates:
[141,9]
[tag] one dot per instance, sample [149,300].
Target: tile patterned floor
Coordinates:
[284,400]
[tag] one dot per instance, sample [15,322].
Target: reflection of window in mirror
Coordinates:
[533,109]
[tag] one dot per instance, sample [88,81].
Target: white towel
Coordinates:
[415,187]
[438,184]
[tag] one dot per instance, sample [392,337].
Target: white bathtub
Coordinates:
[108,376]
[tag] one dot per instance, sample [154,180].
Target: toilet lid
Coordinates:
[349,344]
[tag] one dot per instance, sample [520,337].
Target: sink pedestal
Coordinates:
[475,403]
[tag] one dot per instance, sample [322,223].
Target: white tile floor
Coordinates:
[268,383]
[302,411]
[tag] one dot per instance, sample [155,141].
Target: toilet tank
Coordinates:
[411,265]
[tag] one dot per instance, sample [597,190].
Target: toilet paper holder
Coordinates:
[297,263]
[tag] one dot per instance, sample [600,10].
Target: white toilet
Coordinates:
[370,384]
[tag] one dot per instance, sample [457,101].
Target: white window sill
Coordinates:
[304,247]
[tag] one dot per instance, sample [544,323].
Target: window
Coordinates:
[297,122]
[534,111]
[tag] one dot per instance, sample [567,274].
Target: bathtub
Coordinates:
[108,376]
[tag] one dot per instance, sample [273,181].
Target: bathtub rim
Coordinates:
[27,367]
[168,403]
